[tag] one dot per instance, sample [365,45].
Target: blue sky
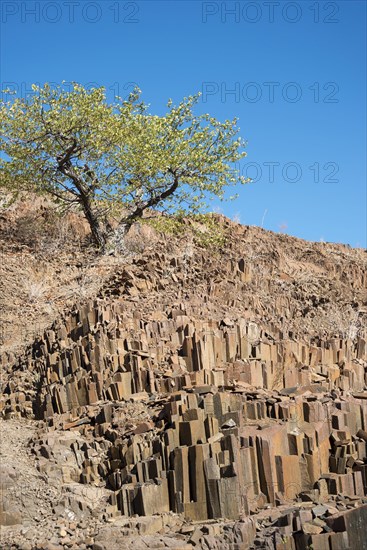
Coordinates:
[293,72]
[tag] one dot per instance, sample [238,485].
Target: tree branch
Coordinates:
[153,201]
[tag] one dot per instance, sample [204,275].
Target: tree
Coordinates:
[84,151]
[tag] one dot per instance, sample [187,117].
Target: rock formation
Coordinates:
[207,397]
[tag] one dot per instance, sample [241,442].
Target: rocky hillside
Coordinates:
[179,394]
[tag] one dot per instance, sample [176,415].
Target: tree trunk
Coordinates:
[84,195]
[98,235]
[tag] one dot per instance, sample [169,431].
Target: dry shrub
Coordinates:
[48,233]
[135,241]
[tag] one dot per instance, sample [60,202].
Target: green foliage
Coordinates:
[168,225]
[83,150]
[204,228]
[208,232]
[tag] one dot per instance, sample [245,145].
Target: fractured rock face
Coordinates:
[222,441]
[255,432]
[101,352]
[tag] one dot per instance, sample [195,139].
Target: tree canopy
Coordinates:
[85,151]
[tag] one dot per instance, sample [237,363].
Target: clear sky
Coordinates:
[293,72]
